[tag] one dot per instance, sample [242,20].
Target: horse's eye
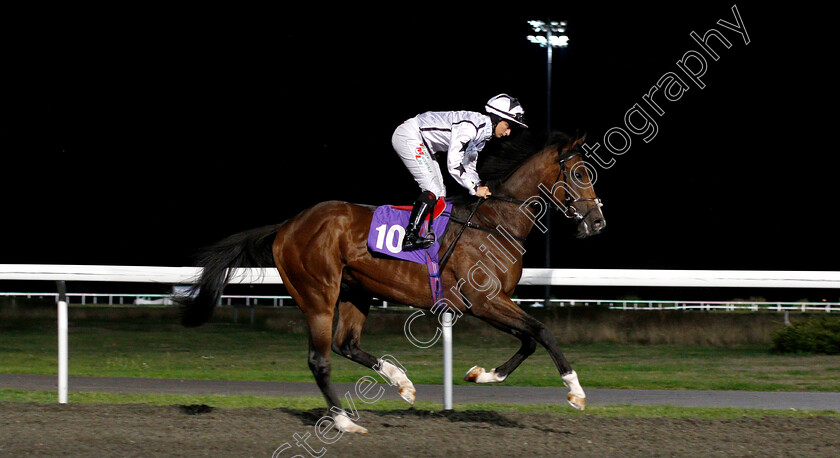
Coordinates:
[578,175]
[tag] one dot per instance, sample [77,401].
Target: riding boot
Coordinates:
[422,207]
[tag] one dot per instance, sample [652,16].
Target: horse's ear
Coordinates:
[579,141]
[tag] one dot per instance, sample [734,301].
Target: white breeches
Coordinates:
[417,158]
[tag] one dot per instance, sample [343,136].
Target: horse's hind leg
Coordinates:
[320,327]
[504,314]
[346,340]
[317,302]
[307,253]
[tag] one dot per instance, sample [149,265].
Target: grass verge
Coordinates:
[236,352]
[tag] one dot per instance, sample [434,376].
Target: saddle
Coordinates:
[387,229]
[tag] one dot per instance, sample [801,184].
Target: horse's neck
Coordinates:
[524,184]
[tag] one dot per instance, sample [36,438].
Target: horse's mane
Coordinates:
[500,157]
[503,156]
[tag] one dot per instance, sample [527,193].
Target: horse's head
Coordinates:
[556,176]
[576,177]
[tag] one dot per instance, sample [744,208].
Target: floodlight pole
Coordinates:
[549,53]
[549,43]
[549,49]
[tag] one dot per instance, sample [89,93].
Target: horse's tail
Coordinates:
[247,249]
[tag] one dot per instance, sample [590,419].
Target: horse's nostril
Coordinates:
[599,224]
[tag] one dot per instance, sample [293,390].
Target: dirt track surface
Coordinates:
[135,430]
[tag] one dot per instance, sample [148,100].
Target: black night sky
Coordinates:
[140,136]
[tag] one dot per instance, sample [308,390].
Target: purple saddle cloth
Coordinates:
[387,229]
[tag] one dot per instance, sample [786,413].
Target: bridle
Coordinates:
[570,212]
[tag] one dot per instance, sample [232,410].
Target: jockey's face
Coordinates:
[502,129]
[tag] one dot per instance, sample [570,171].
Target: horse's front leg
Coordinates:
[504,314]
[478,374]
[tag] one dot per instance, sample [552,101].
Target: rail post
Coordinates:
[447,361]
[62,342]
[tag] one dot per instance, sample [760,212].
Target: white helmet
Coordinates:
[507,108]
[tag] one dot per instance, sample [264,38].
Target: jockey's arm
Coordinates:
[462,158]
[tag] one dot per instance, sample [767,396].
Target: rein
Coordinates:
[570,212]
[466,223]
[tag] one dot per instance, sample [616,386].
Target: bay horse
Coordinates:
[324,262]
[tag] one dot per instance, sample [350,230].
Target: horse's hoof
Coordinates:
[479,375]
[397,377]
[408,393]
[576,397]
[345,424]
[473,373]
[577,402]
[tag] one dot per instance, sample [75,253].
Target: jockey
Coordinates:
[457,135]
